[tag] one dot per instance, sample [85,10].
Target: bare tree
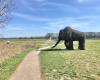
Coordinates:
[5,9]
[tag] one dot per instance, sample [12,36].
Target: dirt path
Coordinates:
[29,69]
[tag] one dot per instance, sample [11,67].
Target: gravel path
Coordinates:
[29,69]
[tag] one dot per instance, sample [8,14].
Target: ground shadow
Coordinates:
[54,50]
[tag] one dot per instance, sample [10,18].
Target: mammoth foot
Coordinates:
[81,48]
[69,48]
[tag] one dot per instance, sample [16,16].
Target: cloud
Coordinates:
[14,27]
[78,25]
[43,5]
[40,0]
[27,5]
[29,17]
[81,23]
[80,1]
[62,6]
[34,5]
[87,1]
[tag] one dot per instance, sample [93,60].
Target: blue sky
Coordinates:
[38,17]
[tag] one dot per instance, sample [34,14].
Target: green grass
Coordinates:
[72,65]
[9,65]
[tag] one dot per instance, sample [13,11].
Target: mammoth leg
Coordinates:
[71,45]
[82,44]
[56,44]
[66,44]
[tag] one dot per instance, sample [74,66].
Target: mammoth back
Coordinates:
[77,34]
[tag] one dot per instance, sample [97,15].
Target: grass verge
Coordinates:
[9,65]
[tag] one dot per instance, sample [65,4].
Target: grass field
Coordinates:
[16,46]
[72,65]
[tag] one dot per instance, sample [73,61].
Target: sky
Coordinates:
[38,17]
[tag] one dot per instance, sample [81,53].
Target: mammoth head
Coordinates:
[64,34]
[67,28]
[61,34]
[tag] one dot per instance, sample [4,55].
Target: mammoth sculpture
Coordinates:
[69,35]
